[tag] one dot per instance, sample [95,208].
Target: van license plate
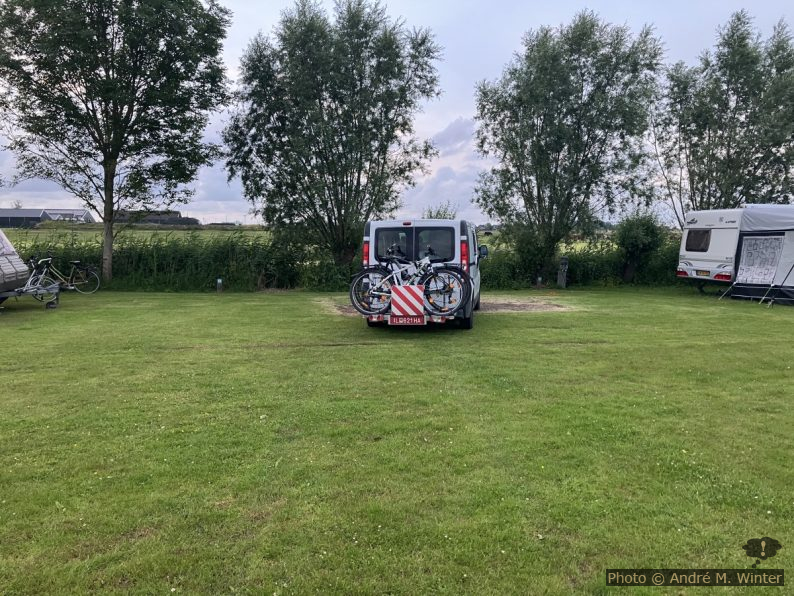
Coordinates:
[703,273]
[404,320]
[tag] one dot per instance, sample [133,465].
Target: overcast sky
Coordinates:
[479,38]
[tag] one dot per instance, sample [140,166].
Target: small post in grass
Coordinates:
[562,273]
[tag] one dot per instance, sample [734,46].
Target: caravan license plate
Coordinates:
[703,273]
[406,320]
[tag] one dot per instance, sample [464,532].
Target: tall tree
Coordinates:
[324,134]
[723,133]
[110,98]
[565,123]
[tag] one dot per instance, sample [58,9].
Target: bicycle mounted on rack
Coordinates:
[410,290]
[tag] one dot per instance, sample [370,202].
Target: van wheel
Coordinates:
[374,323]
[477,305]
[468,322]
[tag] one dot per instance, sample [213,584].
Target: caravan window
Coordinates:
[698,240]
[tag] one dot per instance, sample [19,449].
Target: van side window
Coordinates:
[698,240]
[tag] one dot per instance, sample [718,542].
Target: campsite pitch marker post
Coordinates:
[562,273]
[219,285]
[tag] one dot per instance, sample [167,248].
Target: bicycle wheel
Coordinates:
[446,291]
[85,281]
[43,292]
[370,291]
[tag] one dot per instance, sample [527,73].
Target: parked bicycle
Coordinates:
[40,285]
[446,289]
[81,278]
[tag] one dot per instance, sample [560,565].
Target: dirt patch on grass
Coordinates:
[520,305]
[488,305]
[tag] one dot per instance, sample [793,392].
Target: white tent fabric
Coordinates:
[6,248]
[767,218]
[13,271]
[766,255]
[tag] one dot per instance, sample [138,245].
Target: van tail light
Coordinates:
[464,255]
[723,277]
[681,273]
[365,253]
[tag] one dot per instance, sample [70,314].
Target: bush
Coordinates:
[638,236]
[659,267]
[500,271]
[594,264]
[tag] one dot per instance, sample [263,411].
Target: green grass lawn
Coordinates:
[203,443]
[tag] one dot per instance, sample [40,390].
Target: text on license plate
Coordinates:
[406,320]
[703,273]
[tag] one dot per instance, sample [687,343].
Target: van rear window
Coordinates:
[386,237]
[441,242]
[698,240]
[414,242]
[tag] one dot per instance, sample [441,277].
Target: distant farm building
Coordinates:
[164,218]
[75,215]
[28,218]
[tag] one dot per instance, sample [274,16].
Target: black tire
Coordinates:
[477,304]
[361,296]
[468,322]
[447,290]
[374,323]
[46,295]
[85,281]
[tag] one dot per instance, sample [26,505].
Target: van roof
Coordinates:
[413,222]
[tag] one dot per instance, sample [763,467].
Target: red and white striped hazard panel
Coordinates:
[408,301]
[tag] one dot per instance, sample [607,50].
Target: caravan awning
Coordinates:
[768,218]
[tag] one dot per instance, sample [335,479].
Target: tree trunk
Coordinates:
[109,216]
[107,251]
[629,270]
[344,256]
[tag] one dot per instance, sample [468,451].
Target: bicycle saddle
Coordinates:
[74,262]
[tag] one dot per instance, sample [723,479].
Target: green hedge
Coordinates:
[249,262]
[599,264]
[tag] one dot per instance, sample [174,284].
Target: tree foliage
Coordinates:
[565,123]
[323,137]
[724,129]
[638,235]
[109,98]
[443,210]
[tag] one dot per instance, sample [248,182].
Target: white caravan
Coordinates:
[708,245]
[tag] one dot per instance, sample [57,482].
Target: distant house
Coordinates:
[28,218]
[75,215]
[22,218]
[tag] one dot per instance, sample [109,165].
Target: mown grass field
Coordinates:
[202,443]
[93,233]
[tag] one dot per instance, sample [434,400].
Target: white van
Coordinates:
[708,245]
[451,241]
